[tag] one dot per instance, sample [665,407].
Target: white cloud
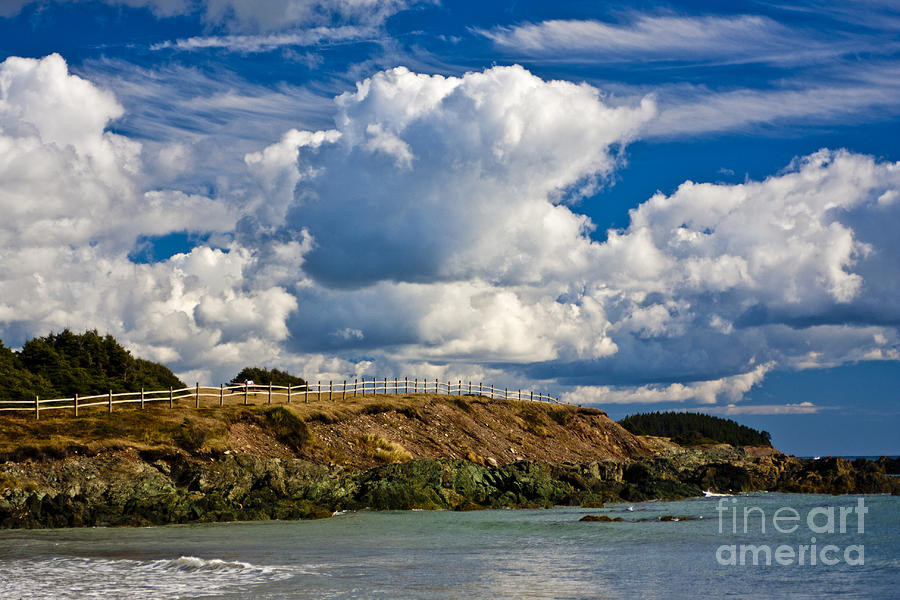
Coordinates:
[270,41]
[455,178]
[431,232]
[76,205]
[800,408]
[256,15]
[718,39]
[704,392]
[702,111]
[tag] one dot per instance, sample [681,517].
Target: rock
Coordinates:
[600,519]
[127,488]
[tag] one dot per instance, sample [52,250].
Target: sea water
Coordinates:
[481,554]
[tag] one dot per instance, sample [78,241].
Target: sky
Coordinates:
[639,206]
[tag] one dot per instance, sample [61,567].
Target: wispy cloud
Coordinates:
[800,408]
[718,39]
[264,43]
[701,110]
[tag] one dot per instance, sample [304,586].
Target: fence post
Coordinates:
[437,389]
[306,393]
[110,400]
[470,388]
[37,408]
[355,386]
[289,392]
[221,394]
[196,394]
[520,395]
[395,386]
[532,395]
[385,386]
[406,385]
[76,405]
[344,391]
[170,397]
[142,398]
[506,393]
[246,391]
[330,391]
[319,391]
[459,386]
[480,389]
[449,389]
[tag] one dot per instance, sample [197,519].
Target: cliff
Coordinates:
[261,462]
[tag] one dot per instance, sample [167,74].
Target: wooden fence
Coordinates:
[245,392]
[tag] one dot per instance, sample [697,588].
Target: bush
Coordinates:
[563,416]
[533,421]
[190,435]
[288,428]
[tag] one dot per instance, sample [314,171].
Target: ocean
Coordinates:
[543,553]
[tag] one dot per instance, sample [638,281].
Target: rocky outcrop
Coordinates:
[131,488]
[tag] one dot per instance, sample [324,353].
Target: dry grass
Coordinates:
[158,427]
[384,450]
[360,431]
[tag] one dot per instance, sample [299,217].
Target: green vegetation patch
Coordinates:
[287,427]
[61,365]
[261,376]
[690,429]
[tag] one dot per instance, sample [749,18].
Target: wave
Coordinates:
[192,564]
[65,577]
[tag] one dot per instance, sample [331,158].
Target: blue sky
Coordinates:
[640,206]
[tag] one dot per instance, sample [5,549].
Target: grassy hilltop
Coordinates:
[360,431]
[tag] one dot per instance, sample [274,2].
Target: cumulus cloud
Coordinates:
[76,201]
[705,392]
[433,231]
[443,178]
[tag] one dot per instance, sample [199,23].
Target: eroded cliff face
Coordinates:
[127,487]
[397,452]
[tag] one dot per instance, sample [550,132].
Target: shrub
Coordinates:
[287,427]
[533,421]
[563,416]
[190,435]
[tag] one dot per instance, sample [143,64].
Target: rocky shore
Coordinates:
[132,488]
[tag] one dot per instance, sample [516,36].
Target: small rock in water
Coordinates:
[600,519]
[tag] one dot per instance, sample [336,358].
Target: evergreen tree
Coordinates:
[64,364]
[695,428]
[261,376]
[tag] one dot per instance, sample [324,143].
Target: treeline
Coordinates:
[63,364]
[689,429]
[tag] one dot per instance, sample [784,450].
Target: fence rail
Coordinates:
[330,391]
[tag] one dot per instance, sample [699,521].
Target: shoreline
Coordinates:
[124,488]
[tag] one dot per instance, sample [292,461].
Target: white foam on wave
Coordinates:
[63,578]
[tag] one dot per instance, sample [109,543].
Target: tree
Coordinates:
[261,376]
[89,363]
[695,428]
